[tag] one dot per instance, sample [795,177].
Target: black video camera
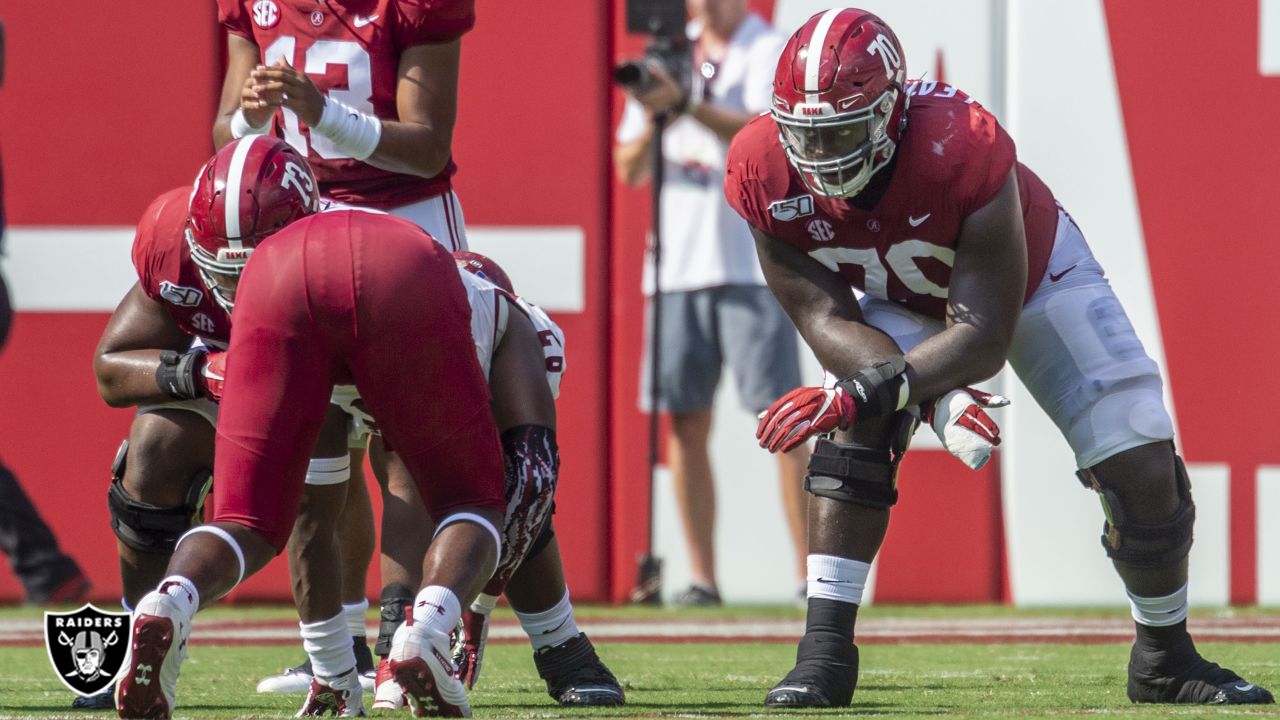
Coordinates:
[668,48]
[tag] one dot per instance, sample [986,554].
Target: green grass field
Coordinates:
[708,679]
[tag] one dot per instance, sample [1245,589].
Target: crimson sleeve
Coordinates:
[232,16]
[993,156]
[432,21]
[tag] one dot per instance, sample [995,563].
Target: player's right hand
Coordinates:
[961,422]
[258,107]
[213,374]
[468,654]
[803,413]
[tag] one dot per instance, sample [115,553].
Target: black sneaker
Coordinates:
[575,675]
[1177,674]
[105,700]
[818,682]
[697,596]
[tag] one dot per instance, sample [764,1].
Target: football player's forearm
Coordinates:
[412,149]
[844,346]
[958,356]
[128,378]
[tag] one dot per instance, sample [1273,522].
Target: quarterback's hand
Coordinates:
[468,652]
[213,374]
[256,106]
[803,413]
[962,424]
[282,85]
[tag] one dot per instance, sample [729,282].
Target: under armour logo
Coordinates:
[142,670]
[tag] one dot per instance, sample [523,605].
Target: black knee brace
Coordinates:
[394,599]
[857,473]
[146,527]
[1145,545]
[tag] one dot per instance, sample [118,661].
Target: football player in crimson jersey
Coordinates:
[522,352]
[912,193]
[366,89]
[297,293]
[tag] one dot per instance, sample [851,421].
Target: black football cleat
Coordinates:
[1177,674]
[576,676]
[105,700]
[817,682]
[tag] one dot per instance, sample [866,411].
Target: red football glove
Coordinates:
[468,651]
[960,421]
[213,375]
[803,413]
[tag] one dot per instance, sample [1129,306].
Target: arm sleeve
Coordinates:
[232,16]
[432,21]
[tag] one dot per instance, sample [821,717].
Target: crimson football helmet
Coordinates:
[250,189]
[478,264]
[839,100]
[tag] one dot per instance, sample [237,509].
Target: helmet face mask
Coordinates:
[839,100]
[836,155]
[249,190]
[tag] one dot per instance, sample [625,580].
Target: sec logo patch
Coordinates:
[266,14]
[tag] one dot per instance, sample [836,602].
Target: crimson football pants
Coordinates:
[363,298]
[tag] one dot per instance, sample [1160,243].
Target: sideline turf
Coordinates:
[708,680]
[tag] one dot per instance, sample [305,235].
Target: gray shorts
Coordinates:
[701,330]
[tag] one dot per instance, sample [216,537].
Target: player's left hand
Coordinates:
[468,653]
[213,375]
[282,85]
[802,413]
[961,422]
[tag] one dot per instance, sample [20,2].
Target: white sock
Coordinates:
[550,627]
[355,617]
[183,592]
[328,644]
[437,607]
[1160,611]
[837,578]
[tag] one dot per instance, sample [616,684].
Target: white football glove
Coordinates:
[960,420]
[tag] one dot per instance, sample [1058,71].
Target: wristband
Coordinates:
[352,131]
[176,375]
[878,390]
[240,125]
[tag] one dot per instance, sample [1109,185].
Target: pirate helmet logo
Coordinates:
[86,647]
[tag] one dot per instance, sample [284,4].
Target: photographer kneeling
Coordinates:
[715,306]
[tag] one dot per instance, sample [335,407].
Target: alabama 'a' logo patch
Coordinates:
[86,647]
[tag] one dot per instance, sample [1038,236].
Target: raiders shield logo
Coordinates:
[86,647]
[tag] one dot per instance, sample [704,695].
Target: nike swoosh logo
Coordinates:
[362,21]
[918,221]
[1244,687]
[834,581]
[1055,277]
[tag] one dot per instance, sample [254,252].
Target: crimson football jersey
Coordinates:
[167,273]
[952,160]
[351,50]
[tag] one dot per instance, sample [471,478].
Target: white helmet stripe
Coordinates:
[814,59]
[235,174]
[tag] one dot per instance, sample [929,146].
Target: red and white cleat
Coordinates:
[157,647]
[421,663]
[387,695]
[341,697]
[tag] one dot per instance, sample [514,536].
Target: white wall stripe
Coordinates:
[1268,509]
[1269,37]
[234,174]
[813,62]
[89,269]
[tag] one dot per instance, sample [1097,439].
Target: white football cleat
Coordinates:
[388,694]
[157,647]
[342,696]
[421,663]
